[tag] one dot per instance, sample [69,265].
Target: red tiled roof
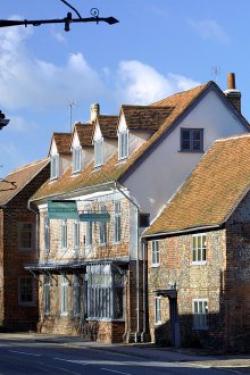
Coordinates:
[113,170]
[63,142]
[211,193]
[85,133]
[147,118]
[108,126]
[12,184]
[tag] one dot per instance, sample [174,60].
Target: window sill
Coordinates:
[106,320]
[64,315]
[155,265]
[192,151]
[27,304]
[25,249]
[53,179]
[158,323]
[199,263]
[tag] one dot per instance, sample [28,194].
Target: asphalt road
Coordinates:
[20,357]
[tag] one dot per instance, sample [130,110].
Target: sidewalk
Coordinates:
[145,351]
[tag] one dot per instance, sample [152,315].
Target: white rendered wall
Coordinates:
[155,181]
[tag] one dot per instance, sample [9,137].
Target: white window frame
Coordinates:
[76,235]
[20,286]
[46,232]
[200,314]
[63,235]
[64,298]
[155,253]
[199,249]
[157,310]
[54,166]
[77,294]
[123,138]
[103,229]
[98,150]
[77,159]
[21,226]
[117,222]
[89,235]
[46,295]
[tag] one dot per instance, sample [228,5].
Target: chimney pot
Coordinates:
[231,81]
[233,95]
[94,112]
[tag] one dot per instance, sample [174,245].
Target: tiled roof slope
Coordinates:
[108,126]
[213,190]
[85,134]
[114,170]
[145,117]
[63,142]
[11,185]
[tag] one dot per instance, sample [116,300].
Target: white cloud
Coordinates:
[210,29]
[30,82]
[140,83]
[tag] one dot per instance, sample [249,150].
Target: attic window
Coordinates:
[123,144]
[191,140]
[54,167]
[77,159]
[98,147]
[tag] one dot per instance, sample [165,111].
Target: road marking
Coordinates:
[115,371]
[25,353]
[71,361]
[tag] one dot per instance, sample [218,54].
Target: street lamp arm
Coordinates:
[71,6]
[67,21]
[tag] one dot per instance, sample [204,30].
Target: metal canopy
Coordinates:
[62,210]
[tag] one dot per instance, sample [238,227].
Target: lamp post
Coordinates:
[3,120]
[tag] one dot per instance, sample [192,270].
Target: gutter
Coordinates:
[84,190]
[148,237]
[137,337]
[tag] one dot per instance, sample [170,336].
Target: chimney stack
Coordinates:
[94,112]
[233,95]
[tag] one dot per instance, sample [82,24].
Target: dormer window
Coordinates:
[98,146]
[54,167]
[77,159]
[123,144]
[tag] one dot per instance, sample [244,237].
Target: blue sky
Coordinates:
[159,47]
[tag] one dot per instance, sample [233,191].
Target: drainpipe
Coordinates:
[144,291]
[132,201]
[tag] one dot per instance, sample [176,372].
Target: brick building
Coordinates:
[123,168]
[199,253]
[18,289]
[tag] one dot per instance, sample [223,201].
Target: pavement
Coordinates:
[144,351]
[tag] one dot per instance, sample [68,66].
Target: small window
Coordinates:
[54,167]
[192,140]
[26,236]
[89,234]
[77,295]
[200,314]
[199,249]
[46,294]
[77,159]
[26,291]
[123,144]
[117,222]
[64,295]
[98,148]
[46,233]
[157,310]
[155,254]
[63,233]
[76,227]
[103,228]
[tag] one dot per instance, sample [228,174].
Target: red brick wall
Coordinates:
[15,316]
